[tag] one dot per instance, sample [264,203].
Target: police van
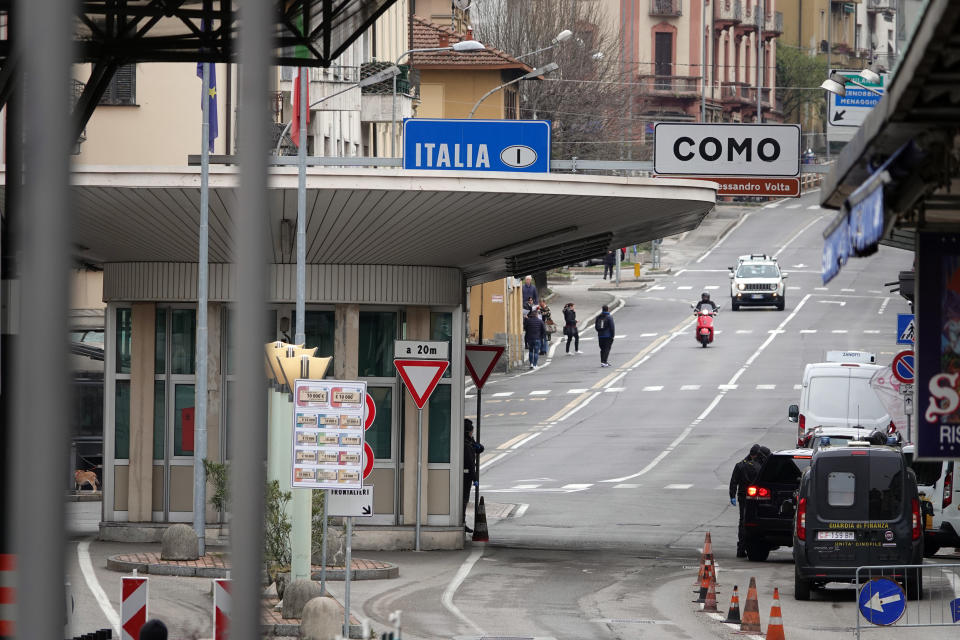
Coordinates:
[837,393]
[757,281]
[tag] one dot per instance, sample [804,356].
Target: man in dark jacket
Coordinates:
[529,290]
[471,450]
[609,262]
[605,334]
[744,474]
[534,333]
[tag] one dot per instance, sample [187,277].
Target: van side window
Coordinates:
[841,488]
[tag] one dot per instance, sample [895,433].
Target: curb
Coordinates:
[114,563]
[292,630]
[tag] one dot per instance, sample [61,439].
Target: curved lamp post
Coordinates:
[464,46]
[536,73]
[563,36]
[836,83]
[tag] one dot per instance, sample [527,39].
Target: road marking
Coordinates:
[678,486]
[793,288]
[86,568]
[728,234]
[614,389]
[772,205]
[848,290]
[766,387]
[776,331]
[821,289]
[578,390]
[839,331]
[711,287]
[744,330]
[526,440]
[797,235]
[657,288]
[588,400]
[577,487]
[690,387]
[543,392]
[873,291]
[648,335]
[654,388]
[451,589]
[679,272]
[871,330]
[813,207]
[503,394]
[720,487]
[794,206]
[684,288]
[808,330]
[797,387]
[526,486]
[726,387]
[491,460]
[883,306]
[627,486]
[511,441]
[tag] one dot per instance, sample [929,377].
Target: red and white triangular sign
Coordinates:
[421,377]
[481,359]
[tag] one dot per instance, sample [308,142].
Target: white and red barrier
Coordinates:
[8,593]
[133,607]
[221,608]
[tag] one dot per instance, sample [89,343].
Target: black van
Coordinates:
[768,510]
[857,505]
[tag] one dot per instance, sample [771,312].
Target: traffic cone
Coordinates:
[733,614]
[775,627]
[703,554]
[706,581]
[751,610]
[710,603]
[480,533]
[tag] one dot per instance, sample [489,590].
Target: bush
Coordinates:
[276,551]
[219,474]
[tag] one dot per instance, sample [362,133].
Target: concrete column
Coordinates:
[346,341]
[418,328]
[140,477]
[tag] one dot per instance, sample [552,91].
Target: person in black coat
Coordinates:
[744,474]
[570,327]
[534,333]
[609,262]
[471,450]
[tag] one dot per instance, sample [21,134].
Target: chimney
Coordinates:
[444,40]
[469,35]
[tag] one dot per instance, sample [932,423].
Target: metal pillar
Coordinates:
[419,474]
[249,441]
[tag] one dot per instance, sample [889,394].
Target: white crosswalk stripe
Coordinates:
[503,394]
[839,331]
[654,388]
[821,289]
[542,392]
[614,389]
[657,288]
[684,288]
[578,487]
[808,330]
[793,288]
[797,387]
[744,330]
[871,330]
[648,335]
[690,387]
[711,287]
[627,486]
[766,387]
[726,387]
[578,390]
[813,207]
[848,290]
[678,486]
[794,206]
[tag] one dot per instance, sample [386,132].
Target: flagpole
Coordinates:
[300,337]
[200,446]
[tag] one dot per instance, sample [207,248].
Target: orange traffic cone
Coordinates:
[707,580]
[733,614]
[710,603]
[775,627]
[707,546]
[480,533]
[751,610]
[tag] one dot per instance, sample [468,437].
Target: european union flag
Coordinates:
[212,98]
[955,609]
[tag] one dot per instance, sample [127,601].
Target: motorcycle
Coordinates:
[704,330]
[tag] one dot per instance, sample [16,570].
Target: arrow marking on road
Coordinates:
[876,602]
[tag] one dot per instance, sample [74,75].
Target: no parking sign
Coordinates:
[903,367]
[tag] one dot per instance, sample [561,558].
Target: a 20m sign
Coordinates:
[716,149]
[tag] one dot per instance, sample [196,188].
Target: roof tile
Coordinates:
[427,35]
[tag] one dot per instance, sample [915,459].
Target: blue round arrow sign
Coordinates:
[882,601]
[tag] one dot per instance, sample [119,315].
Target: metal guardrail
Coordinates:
[939,583]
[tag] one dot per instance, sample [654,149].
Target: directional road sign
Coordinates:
[852,109]
[903,367]
[350,502]
[421,377]
[726,149]
[481,359]
[476,145]
[906,328]
[882,601]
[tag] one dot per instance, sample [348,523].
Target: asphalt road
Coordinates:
[617,473]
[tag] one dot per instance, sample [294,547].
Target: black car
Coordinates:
[768,511]
[857,505]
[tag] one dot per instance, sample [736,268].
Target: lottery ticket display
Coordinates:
[328,434]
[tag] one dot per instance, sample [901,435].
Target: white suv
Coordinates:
[757,280]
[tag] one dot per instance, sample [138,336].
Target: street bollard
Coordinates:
[133,607]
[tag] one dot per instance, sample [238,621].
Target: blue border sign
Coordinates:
[937,305]
[516,146]
[882,601]
[906,329]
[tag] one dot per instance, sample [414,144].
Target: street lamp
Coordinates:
[540,71]
[380,76]
[464,46]
[563,36]
[836,84]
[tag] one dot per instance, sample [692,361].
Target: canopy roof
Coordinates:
[489,225]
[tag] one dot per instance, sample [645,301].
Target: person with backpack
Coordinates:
[605,334]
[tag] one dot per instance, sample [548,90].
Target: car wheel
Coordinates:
[801,587]
[914,586]
[757,552]
[782,304]
[734,305]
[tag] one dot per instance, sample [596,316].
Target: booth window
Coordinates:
[441,328]
[438,448]
[121,420]
[183,341]
[124,338]
[318,330]
[160,343]
[378,330]
[183,433]
[159,418]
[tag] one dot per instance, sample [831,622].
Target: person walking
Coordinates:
[605,334]
[529,290]
[548,327]
[471,451]
[570,327]
[744,474]
[609,262]
[534,331]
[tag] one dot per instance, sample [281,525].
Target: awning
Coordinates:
[488,226]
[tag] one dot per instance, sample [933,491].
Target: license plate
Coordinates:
[757,296]
[835,535]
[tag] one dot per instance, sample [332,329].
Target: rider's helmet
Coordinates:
[705,297]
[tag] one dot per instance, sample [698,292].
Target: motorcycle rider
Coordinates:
[705,301]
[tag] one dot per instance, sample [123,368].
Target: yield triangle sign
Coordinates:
[421,377]
[481,359]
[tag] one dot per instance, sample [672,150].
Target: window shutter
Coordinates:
[123,87]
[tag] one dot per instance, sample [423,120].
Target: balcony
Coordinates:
[672,86]
[751,18]
[773,25]
[669,8]
[882,6]
[737,93]
[727,13]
